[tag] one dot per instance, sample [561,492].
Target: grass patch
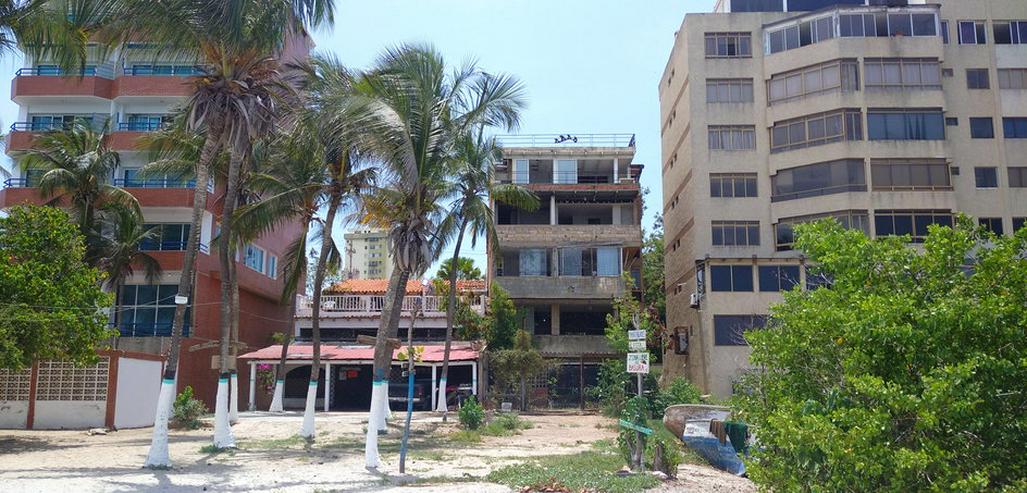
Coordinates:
[594,470]
[430,455]
[465,437]
[273,443]
[212,450]
[506,424]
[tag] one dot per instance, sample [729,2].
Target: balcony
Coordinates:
[555,140]
[157,183]
[530,235]
[573,345]
[562,287]
[22,134]
[369,306]
[51,81]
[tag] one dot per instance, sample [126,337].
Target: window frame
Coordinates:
[737,37]
[985,177]
[980,33]
[851,129]
[730,84]
[848,80]
[776,278]
[246,257]
[850,165]
[849,219]
[734,229]
[1014,127]
[730,130]
[729,330]
[915,218]
[893,165]
[1017,176]
[978,132]
[1013,79]
[924,66]
[733,277]
[975,81]
[873,113]
[730,181]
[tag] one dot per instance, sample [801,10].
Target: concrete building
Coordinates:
[132,91]
[563,263]
[367,254]
[885,114]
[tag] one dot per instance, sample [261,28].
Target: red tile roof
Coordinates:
[460,351]
[379,286]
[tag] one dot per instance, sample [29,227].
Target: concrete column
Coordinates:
[554,317]
[617,214]
[434,388]
[253,386]
[328,386]
[616,171]
[552,210]
[474,377]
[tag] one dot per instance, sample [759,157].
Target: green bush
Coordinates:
[187,411]
[506,424]
[663,450]
[471,414]
[680,391]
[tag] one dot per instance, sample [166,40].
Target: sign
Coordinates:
[636,345]
[638,362]
[632,426]
[635,335]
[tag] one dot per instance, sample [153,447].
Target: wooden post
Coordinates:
[33,382]
[581,382]
[112,389]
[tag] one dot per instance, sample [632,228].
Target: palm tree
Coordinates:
[77,169]
[465,269]
[58,30]
[476,157]
[119,237]
[410,111]
[219,33]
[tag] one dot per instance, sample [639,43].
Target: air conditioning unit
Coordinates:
[693,300]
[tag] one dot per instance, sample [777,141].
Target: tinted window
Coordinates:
[729,330]
[846,175]
[731,277]
[982,128]
[1014,128]
[778,277]
[986,177]
[807,5]
[757,6]
[906,125]
[993,224]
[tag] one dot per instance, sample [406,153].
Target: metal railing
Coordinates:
[567,140]
[161,70]
[154,183]
[568,178]
[95,121]
[333,304]
[140,126]
[105,71]
[17,183]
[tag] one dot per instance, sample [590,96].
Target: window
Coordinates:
[1010,32]
[844,175]
[176,70]
[986,177]
[732,138]
[785,234]
[910,174]
[602,261]
[1012,78]
[736,233]
[733,185]
[729,90]
[840,75]
[1019,223]
[272,267]
[972,33]
[254,257]
[802,34]
[778,277]
[737,278]
[912,222]
[149,310]
[1018,176]
[905,124]
[816,130]
[729,330]
[728,45]
[977,78]
[757,6]
[533,262]
[982,128]
[1014,128]
[882,24]
[902,73]
[993,224]
[951,122]
[945,32]
[166,237]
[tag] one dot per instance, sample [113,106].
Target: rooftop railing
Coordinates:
[334,305]
[567,140]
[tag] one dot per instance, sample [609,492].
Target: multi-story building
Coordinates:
[887,115]
[367,254]
[563,263]
[131,92]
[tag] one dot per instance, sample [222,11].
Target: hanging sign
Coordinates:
[636,345]
[635,335]
[638,362]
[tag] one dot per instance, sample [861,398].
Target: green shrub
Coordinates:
[471,414]
[506,424]
[663,450]
[187,411]
[680,391]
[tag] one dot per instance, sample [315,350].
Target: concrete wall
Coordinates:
[519,236]
[138,388]
[60,415]
[13,414]
[562,287]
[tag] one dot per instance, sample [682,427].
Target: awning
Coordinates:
[433,353]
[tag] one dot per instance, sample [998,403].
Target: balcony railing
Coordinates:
[568,178]
[154,183]
[371,305]
[17,183]
[104,70]
[141,126]
[96,122]
[159,70]
[569,140]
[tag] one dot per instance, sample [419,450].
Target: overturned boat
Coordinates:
[709,431]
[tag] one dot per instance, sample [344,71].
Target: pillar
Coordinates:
[552,210]
[328,386]
[474,377]
[253,386]
[616,170]
[554,318]
[434,388]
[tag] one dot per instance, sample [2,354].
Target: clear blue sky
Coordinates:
[589,66]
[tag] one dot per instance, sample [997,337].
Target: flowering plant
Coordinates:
[266,377]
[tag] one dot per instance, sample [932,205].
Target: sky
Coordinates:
[588,66]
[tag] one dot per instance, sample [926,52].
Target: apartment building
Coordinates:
[888,115]
[131,92]
[563,263]
[367,254]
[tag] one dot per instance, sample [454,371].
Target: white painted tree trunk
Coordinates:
[307,429]
[159,457]
[222,428]
[233,398]
[441,406]
[386,412]
[276,401]
[379,395]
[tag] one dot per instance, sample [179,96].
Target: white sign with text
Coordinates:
[638,362]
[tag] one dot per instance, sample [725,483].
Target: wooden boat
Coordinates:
[691,423]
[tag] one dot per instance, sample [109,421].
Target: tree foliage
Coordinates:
[502,319]
[465,269]
[52,305]
[653,290]
[906,373]
[512,368]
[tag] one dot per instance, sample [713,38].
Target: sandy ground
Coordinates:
[271,458]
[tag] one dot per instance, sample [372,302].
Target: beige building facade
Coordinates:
[367,254]
[885,114]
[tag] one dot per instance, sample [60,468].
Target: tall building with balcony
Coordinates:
[130,92]
[563,263]
[367,254]
[887,115]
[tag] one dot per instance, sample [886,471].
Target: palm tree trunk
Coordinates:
[276,400]
[307,430]
[158,456]
[222,428]
[450,315]
[387,329]
[233,397]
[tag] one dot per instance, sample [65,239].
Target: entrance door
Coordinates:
[352,390]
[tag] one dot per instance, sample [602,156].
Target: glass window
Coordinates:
[1018,176]
[166,237]
[736,278]
[729,90]
[1010,32]
[902,73]
[835,76]
[1012,78]
[728,45]
[982,128]
[733,185]
[254,258]
[945,32]
[977,78]
[147,310]
[845,175]
[272,267]
[785,235]
[732,138]
[571,261]
[566,171]
[912,174]
[972,33]
[905,125]
[778,277]
[986,177]
[914,223]
[608,261]
[729,330]
[533,262]
[993,224]
[521,171]
[815,130]
[736,233]
[1019,223]
[1014,128]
